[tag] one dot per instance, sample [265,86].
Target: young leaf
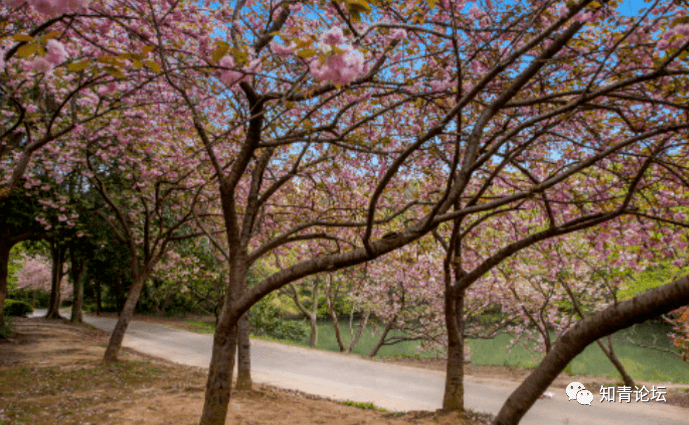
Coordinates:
[78,66]
[23,37]
[306,53]
[153,66]
[27,50]
[52,34]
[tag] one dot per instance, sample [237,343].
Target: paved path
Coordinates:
[389,386]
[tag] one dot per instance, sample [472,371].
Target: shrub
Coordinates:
[265,319]
[6,328]
[16,308]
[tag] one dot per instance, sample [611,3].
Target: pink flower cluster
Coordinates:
[342,64]
[56,55]
[51,7]
[230,76]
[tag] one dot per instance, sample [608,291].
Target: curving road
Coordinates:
[392,387]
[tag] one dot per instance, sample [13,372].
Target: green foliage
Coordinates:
[38,299]
[364,406]
[650,279]
[16,308]
[342,306]
[265,319]
[6,328]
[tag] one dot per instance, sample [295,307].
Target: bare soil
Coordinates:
[51,372]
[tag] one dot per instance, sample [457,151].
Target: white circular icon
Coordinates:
[584,397]
[573,388]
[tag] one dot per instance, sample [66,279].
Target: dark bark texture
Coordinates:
[244,354]
[619,316]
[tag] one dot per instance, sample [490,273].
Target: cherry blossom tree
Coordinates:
[518,107]
[314,120]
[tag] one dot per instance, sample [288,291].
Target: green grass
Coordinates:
[641,363]
[364,406]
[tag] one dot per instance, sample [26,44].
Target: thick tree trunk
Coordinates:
[381,340]
[362,326]
[78,277]
[5,249]
[244,354]
[313,337]
[126,315]
[648,305]
[453,398]
[610,354]
[57,253]
[218,386]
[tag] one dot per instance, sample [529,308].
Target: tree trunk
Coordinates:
[381,341]
[5,249]
[244,354]
[453,398]
[610,354]
[98,297]
[333,315]
[362,326]
[218,386]
[78,277]
[126,315]
[57,253]
[648,305]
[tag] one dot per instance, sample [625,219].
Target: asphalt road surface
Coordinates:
[392,387]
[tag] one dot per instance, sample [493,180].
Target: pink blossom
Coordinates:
[333,36]
[279,49]
[340,68]
[41,64]
[57,7]
[12,3]
[56,52]
[398,34]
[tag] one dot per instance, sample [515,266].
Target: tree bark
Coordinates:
[311,315]
[57,253]
[5,249]
[244,354]
[381,340]
[362,326]
[78,277]
[648,305]
[453,398]
[218,386]
[115,342]
[333,315]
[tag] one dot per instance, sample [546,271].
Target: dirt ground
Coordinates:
[50,372]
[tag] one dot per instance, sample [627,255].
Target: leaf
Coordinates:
[111,60]
[137,64]
[220,51]
[153,66]
[147,49]
[431,4]
[23,37]
[307,53]
[681,20]
[52,34]
[115,72]
[78,66]
[27,50]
